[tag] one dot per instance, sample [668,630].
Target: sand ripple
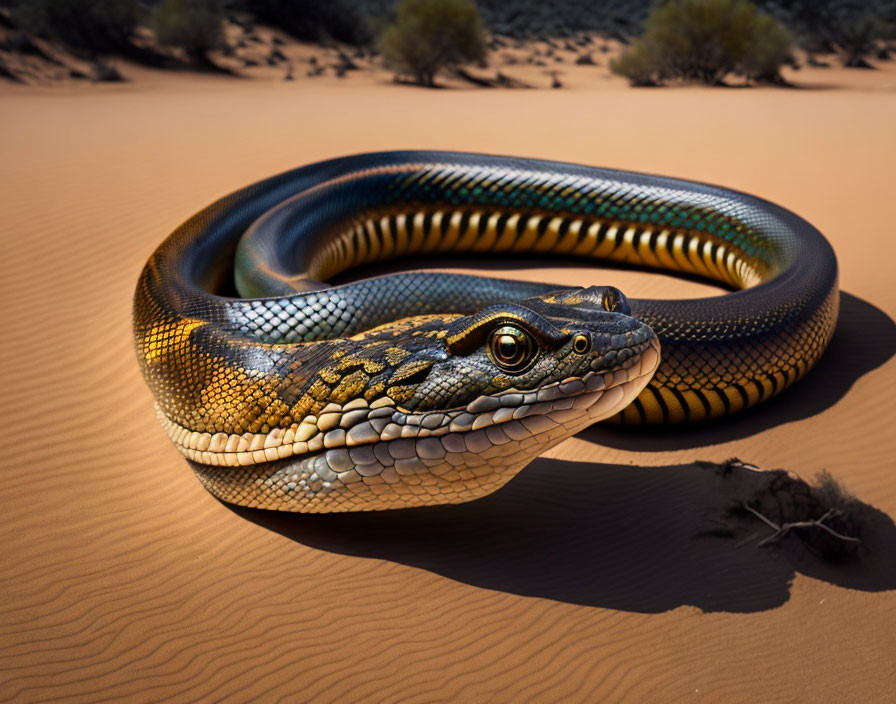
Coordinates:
[121,579]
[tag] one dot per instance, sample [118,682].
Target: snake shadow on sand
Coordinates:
[627,537]
[864,339]
[614,536]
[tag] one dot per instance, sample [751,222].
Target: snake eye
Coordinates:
[511,348]
[610,300]
[581,344]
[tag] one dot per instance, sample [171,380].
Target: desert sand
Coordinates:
[588,578]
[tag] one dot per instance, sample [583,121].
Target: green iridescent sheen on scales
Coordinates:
[453,190]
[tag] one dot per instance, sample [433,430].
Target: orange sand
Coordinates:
[120,578]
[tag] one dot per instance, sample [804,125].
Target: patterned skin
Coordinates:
[432,388]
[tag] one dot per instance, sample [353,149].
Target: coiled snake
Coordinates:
[429,388]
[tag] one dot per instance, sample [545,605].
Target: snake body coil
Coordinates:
[419,388]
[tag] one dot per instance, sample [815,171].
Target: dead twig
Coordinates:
[728,465]
[747,540]
[781,530]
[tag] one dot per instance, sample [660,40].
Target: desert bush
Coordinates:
[89,26]
[770,48]
[192,25]
[431,35]
[851,27]
[639,65]
[856,36]
[703,41]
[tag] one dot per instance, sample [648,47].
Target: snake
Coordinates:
[419,388]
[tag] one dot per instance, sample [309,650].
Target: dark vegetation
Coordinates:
[185,31]
[192,25]
[823,515]
[89,26]
[313,20]
[428,36]
[703,41]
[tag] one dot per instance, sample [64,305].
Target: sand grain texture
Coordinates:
[120,578]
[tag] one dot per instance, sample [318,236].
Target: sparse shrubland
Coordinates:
[729,40]
[853,28]
[429,36]
[703,41]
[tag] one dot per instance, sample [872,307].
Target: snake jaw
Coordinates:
[452,421]
[408,459]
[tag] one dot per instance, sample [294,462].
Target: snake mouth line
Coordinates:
[357,425]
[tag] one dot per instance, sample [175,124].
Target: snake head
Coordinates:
[445,408]
[554,344]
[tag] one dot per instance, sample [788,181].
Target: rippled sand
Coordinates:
[582,580]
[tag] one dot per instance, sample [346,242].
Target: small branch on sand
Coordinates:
[728,465]
[823,515]
[781,530]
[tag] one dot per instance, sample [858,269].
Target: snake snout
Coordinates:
[626,338]
[599,333]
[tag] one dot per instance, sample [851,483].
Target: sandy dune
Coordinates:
[585,579]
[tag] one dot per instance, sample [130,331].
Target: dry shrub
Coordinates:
[639,65]
[192,25]
[703,41]
[431,35]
